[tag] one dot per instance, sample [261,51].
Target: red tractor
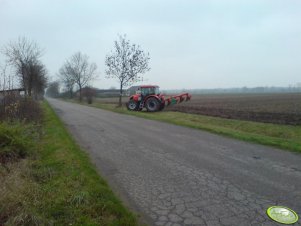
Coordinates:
[149,97]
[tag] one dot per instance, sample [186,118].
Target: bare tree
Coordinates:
[53,89]
[79,70]
[67,79]
[39,80]
[23,55]
[126,63]
[36,79]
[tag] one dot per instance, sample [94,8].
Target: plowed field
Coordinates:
[284,108]
[272,108]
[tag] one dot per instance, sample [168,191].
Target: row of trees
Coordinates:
[126,63]
[23,58]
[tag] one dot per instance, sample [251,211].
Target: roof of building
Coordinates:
[12,90]
[149,86]
[143,86]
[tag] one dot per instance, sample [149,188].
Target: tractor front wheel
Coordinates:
[132,105]
[152,104]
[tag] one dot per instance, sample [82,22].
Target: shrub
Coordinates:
[14,107]
[89,93]
[15,141]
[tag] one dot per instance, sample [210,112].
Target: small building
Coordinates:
[107,92]
[15,92]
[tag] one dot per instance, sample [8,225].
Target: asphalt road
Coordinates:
[174,175]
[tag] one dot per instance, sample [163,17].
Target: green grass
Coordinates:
[15,141]
[76,193]
[58,185]
[281,136]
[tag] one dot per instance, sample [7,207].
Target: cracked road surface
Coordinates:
[174,175]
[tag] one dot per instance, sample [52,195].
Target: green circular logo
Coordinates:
[282,215]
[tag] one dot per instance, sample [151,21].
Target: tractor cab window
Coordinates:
[150,91]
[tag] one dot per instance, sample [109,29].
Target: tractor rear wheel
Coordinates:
[132,105]
[152,104]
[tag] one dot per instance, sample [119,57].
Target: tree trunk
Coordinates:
[29,91]
[71,93]
[29,81]
[80,93]
[120,95]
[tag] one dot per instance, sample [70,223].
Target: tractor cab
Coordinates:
[148,90]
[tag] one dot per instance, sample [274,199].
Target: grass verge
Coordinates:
[280,136]
[15,141]
[57,185]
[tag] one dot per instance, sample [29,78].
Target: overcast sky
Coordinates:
[192,44]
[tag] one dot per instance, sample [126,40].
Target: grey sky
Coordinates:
[192,44]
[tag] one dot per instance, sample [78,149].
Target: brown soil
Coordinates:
[270,108]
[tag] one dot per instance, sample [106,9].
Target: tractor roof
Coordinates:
[149,86]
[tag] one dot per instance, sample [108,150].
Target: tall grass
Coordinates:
[16,141]
[53,181]
[17,108]
[17,189]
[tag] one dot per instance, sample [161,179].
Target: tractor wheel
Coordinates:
[152,104]
[132,105]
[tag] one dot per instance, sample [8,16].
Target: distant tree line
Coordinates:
[266,89]
[24,69]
